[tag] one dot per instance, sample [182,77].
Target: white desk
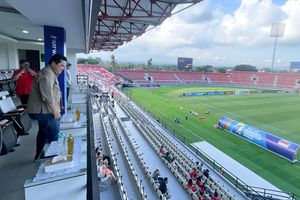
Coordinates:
[62,184]
[73,187]
[65,123]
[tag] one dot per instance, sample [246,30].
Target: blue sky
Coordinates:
[220,33]
[229,6]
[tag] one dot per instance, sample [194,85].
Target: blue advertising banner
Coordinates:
[202,93]
[54,38]
[261,138]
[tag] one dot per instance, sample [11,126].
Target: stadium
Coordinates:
[199,100]
[130,131]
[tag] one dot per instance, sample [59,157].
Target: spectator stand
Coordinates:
[156,143]
[284,81]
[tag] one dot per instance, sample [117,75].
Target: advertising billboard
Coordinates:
[184,64]
[275,144]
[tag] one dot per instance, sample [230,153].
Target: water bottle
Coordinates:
[61,143]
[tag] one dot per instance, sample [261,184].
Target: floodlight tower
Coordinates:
[277,30]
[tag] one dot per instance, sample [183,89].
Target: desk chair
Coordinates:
[8,136]
[19,116]
[6,83]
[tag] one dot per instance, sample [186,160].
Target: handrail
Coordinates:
[233,179]
[138,181]
[280,193]
[122,189]
[92,177]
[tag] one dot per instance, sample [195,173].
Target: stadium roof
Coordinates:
[89,24]
[119,21]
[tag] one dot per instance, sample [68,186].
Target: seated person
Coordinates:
[216,196]
[97,149]
[156,176]
[168,157]
[100,155]
[202,189]
[161,151]
[199,180]
[201,197]
[193,173]
[206,173]
[164,189]
[198,165]
[103,170]
[190,185]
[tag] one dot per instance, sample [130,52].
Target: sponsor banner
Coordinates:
[269,91]
[254,91]
[228,92]
[242,92]
[202,93]
[282,147]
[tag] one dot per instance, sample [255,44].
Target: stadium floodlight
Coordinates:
[277,30]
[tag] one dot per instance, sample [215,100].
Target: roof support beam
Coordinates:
[119,21]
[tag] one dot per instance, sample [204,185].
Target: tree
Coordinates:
[81,61]
[149,63]
[221,69]
[113,63]
[205,68]
[100,61]
[266,69]
[92,61]
[245,68]
[130,66]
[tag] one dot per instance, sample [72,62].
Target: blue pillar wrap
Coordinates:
[54,39]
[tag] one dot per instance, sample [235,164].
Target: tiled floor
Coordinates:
[17,166]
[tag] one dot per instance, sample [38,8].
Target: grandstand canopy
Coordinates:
[89,24]
[119,21]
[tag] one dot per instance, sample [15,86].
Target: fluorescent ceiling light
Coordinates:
[40,39]
[24,31]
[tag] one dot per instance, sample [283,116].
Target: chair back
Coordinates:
[6,103]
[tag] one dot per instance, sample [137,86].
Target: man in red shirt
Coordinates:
[23,77]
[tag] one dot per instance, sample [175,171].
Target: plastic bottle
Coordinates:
[70,145]
[77,114]
[61,143]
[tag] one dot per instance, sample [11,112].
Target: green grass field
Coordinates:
[276,113]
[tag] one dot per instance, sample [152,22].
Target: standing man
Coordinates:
[23,77]
[69,79]
[44,103]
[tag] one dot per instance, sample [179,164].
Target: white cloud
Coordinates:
[211,36]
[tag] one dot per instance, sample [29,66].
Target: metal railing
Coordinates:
[92,176]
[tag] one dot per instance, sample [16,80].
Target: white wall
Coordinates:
[3,56]
[72,58]
[9,55]
[13,61]
[39,46]
[9,58]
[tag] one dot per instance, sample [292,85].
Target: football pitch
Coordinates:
[275,113]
